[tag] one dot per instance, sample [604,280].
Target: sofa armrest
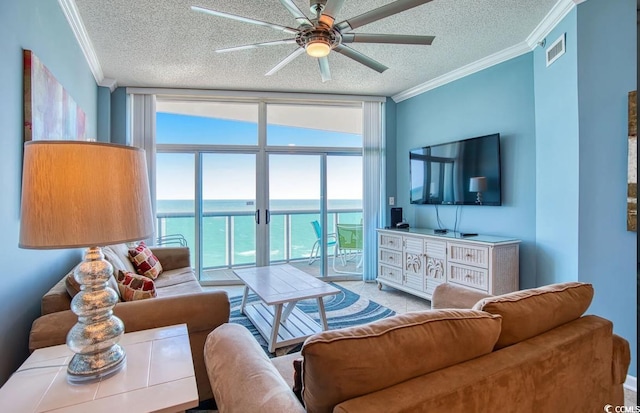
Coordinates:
[242,377]
[172,257]
[57,298]
[448,295]
[201,312]
[620,360]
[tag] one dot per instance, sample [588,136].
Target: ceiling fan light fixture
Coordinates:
[317,48]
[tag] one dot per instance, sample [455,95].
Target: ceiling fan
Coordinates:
[320,35]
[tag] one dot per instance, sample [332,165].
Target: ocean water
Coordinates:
[220,250]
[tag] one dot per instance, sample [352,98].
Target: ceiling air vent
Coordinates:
[555,50]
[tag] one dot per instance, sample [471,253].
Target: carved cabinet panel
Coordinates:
[419,260]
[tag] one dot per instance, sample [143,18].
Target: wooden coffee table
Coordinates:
[281,286]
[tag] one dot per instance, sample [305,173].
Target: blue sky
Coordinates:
[232,176]
[175,128]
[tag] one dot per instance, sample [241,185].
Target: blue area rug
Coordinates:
[343,310]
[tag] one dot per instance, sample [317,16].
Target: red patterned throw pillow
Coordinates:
[144,261]
[134,286]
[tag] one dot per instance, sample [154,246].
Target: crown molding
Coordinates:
[551,20]
[471,68]
[112,84]
[72,15]
[555,15]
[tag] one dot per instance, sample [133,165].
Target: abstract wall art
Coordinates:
[49,111]
[632,174]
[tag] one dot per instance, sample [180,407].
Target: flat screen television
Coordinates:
[465,172]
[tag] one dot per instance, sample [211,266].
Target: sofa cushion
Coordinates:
[144,261]
[135,287]
[118,256]
[350,362]
[450,295]
[284,365]
[173,277]
[119,263]
[172,258]
[527,313]
[190,287]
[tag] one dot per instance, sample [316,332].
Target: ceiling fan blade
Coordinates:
[286,61]
[360,58]
[256,45]
[386,38]
[296,12]
[330,11]
[379,13]
[323,62]
[245,19]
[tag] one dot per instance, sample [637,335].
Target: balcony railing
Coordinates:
[229,237]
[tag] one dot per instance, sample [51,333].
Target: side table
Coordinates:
[158,377]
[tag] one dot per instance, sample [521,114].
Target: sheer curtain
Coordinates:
[374,190]
[142,134]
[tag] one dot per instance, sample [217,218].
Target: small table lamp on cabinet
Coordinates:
[87,194]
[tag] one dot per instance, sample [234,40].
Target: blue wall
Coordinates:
[41,27]
[498,99]
[606,250]
[556,89]
[119,111]
[104,114]
[564,136]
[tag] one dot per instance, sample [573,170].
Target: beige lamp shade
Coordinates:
[79,194]
[478,184]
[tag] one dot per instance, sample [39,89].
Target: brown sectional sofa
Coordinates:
[180,299]
[529,351]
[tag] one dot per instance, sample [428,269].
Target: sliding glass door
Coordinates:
[228,211]
[344,195]
[294,205]
[176,200]
[259,183]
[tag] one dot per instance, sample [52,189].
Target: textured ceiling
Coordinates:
[163,43]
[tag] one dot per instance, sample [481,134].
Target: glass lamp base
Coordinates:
[94,338]
[88,368]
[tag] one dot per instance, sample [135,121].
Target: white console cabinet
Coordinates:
[417,260]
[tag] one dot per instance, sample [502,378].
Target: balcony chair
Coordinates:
[348,247]
[172,239]
[315,250]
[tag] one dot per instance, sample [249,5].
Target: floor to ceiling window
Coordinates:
[259,183]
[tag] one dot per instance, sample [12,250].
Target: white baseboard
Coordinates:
[631,383]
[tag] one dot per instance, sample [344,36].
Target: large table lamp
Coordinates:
[87,194]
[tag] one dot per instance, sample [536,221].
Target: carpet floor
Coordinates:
[343,310]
